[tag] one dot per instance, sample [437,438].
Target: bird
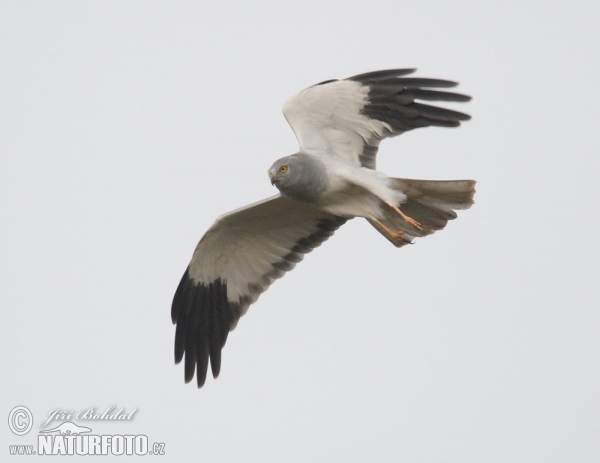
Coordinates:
[339,125]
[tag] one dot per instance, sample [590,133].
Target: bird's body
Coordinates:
[335,187]
[339,125]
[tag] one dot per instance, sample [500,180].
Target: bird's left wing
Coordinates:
[349,118]
[235,261]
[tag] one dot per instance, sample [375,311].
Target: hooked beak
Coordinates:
[272,177]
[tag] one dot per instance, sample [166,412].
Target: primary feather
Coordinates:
[349,118]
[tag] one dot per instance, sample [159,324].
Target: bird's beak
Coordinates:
[272,177]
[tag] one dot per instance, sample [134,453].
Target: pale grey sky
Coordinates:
[126,128]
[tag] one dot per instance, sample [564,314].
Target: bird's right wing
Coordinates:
[348,118]
[235,261]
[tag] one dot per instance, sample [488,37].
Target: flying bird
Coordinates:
[339,125]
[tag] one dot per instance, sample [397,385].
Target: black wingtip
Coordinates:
[411,82]
[385,74]
[204,316]
[200,379]
[190,365]
[325,82]
[440,114]
[215,357]
[180,294]
[395,76]
[179,347]
[432,95]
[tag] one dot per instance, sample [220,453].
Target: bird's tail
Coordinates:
[430,202]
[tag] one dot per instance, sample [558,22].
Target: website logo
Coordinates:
[69,438]
[20,420]
[69,429]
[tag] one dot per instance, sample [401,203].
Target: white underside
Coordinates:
[241,246]
[356,191]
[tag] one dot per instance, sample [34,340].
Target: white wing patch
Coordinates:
[348,118]
[241,247]
[327,119]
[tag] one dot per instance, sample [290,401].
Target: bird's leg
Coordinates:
[397,235]
[410,220]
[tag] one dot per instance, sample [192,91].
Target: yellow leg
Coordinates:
[397,235]
[410,220]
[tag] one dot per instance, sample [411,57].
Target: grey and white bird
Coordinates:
[339,125]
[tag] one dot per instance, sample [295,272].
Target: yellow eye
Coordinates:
[283,169]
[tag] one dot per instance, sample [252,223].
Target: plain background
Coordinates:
[126,128]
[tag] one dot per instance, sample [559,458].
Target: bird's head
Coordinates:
[279,172]
[299,176]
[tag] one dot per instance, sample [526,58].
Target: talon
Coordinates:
[396,235]
[408,219]
[399,235]
[413,222]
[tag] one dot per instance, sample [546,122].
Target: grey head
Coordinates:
[300,176]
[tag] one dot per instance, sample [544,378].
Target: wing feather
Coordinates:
[349,118]
[237,259]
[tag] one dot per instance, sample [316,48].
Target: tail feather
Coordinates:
[430,202]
